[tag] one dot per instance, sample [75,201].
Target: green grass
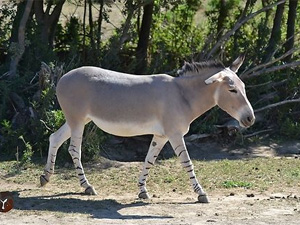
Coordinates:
[233,184]
[260,174]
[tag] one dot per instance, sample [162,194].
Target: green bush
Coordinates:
[290,128]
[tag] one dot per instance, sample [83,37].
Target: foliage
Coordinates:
[27,153]
[29,111]
[290,128]
[175,36]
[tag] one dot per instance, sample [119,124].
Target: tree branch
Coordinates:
[249,73]
[56,11]
[274,68]
[276,104]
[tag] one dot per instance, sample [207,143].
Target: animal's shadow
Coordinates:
[64,203]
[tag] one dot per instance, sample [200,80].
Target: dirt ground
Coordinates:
[54,205]
[32,206]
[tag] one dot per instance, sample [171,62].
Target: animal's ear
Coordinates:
[218,77]
[237,63]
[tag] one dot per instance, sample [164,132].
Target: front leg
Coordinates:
[180,149]
[155,147]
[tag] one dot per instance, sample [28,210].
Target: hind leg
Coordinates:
[75,152]
[56,139]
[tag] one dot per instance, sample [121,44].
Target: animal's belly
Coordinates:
[127,129]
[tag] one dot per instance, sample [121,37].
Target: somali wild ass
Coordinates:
[129,105]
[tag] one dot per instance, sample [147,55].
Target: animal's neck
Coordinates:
[199,95]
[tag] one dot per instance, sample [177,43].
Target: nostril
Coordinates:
[249,119]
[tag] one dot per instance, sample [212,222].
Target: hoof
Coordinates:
[43,180]
[144,195]
[203,198]
[90,191]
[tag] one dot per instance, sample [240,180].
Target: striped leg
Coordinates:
[56,139]
[75,152]
[180,149]
[156,145]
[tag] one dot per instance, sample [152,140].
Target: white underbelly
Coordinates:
[127,129]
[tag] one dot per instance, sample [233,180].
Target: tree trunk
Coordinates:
[100,19]
[21,41]
[291,27]
[141,51]
[223,11]
[276,32]
[126,26]
[84,31]
[91,34]
[16,23]
[47,22]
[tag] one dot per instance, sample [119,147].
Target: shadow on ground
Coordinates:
[64,203]
[135,149]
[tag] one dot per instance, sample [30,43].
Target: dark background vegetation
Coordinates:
[37,47]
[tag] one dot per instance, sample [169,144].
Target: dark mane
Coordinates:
[198,66]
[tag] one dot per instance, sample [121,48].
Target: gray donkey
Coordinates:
[127,105]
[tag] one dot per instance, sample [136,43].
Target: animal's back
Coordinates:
[113,97]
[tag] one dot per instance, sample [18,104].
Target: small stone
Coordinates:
[200,214]
[216,214]
[295,210]
[174,190]
[155,196]
[231,194]
[295,197]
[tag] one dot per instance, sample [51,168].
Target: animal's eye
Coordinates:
[233,91]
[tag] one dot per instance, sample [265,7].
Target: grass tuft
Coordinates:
[234,184]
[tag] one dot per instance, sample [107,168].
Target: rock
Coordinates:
[277,196]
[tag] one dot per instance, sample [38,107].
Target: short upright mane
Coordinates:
[196,67]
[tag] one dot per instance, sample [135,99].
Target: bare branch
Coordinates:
[195,137]
[276,104]
[274,68]
[248,73]
[256,133]
[268,84]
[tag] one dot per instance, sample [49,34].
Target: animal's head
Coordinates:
[230,94]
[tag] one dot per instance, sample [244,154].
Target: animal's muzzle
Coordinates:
[248,120]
